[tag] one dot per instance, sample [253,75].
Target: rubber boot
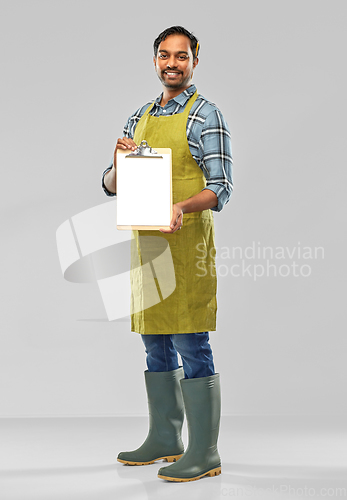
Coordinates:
[166,414]
[202,403]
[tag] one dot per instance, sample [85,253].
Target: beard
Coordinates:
[173,83]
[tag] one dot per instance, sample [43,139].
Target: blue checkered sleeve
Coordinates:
[215,157]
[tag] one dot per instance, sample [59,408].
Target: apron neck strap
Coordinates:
[190,104]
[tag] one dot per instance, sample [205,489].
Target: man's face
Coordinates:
[174,62]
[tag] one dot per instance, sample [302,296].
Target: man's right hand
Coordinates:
[125,143]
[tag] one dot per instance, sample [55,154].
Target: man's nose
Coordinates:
[171,62]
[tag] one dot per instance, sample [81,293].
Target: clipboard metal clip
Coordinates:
[144,151]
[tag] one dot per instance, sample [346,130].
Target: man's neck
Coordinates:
[171,93]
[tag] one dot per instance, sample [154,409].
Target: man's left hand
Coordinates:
[176,220]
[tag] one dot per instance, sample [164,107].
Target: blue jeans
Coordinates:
[194,349]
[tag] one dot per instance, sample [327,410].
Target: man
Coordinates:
[199,137]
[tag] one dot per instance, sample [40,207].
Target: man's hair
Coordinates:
[177,30]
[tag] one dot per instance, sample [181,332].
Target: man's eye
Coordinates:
[162,56]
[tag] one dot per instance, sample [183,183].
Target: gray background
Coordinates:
[72,72]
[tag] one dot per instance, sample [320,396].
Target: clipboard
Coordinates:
[144,190]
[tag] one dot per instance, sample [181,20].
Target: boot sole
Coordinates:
[211,473]
[171,458]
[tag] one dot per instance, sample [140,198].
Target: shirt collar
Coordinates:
[181,98]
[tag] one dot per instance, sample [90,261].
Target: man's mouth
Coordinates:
[172,74]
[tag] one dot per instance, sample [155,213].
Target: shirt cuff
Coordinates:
[103,184]
[221,194]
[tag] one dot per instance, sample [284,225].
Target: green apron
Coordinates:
[192,306]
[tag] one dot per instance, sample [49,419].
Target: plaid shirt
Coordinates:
[208,139]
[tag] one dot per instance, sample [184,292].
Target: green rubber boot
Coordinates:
[202,403]
[166,414]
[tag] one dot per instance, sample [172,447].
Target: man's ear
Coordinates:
[195,63]
[155,61]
